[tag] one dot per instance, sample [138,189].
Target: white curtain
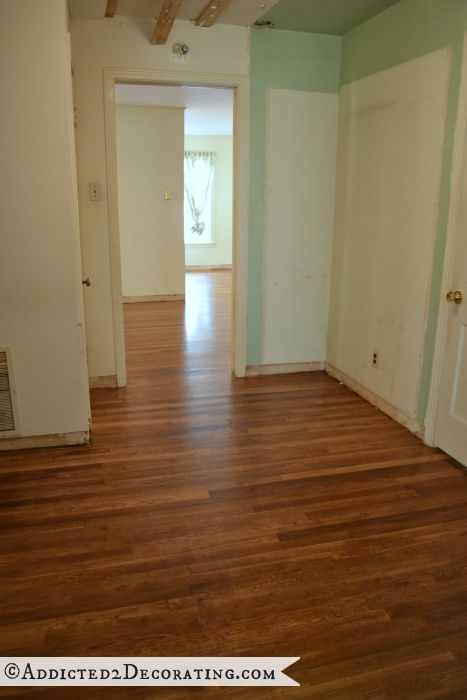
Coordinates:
[199,168]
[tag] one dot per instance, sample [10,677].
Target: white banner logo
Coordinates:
[145,671]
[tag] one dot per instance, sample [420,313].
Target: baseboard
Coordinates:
[108,381]
[291,368]
[154,297]
[381,404]
[30,442]
[207,268]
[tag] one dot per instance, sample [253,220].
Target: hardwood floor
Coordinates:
[217,516]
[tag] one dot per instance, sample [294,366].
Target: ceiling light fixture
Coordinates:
[180,52]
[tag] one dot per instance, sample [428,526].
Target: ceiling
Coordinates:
[239,12]
[320,16]
[208,111]
[325,16]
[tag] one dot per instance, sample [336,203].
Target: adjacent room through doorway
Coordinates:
[175,200]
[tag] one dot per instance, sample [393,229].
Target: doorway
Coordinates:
[175,196]
[240,87]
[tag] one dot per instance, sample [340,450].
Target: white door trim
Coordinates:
[241,84]
[459,155]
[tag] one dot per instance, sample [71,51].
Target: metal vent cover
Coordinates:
[7,403]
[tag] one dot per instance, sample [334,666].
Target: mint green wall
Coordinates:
[289,61]
[404,32]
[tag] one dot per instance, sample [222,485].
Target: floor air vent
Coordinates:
[7,412]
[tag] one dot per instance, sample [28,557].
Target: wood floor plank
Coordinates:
[276,515]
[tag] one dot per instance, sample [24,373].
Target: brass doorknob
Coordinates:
[456,297]
[87,282]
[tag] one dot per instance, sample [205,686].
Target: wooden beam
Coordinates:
[111,8]
[165,20]
[211,12]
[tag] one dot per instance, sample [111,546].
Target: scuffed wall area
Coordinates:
[408,30]
[391,133]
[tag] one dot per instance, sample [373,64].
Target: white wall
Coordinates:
[301,143]
[125,42]
[389,169]
[150,144]
[40,280]
[220,253]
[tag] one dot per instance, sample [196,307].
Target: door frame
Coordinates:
[241,88]
[459,157]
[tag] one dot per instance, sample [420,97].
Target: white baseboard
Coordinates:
[291,368]
[39,441]
[207,268]
[154,297]
[381,404]
[105,382]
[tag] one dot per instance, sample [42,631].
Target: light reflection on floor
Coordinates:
[207,319]
[182,349]
[198,309]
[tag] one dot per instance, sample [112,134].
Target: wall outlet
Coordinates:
[95,191]
[375,359]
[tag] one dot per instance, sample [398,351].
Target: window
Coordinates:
[198,204]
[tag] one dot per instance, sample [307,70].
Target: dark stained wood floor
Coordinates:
[216,516]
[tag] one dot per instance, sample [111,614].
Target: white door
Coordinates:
[451,421]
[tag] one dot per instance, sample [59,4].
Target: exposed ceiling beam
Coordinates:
[166,18]
[211,12]
[111,8]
